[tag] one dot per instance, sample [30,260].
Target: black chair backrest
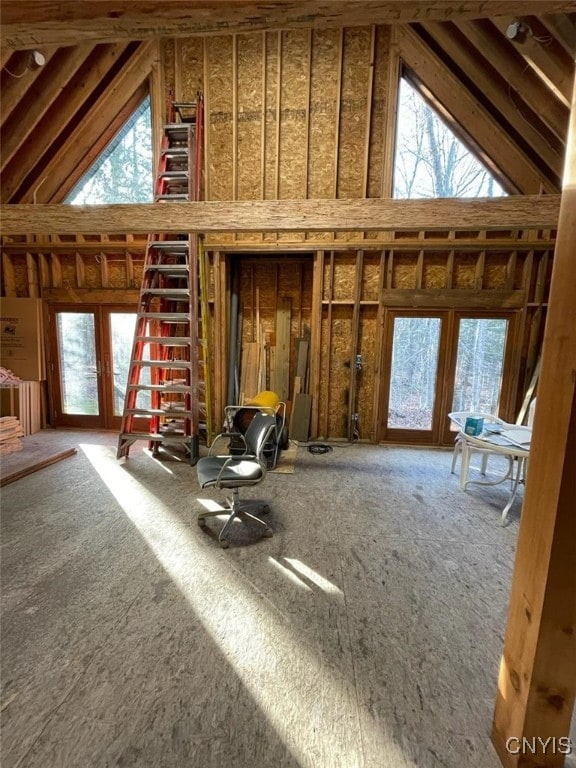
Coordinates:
[258,433]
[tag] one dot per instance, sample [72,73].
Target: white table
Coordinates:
[512,441]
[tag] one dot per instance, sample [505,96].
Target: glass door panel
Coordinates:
[413,375]
[79,367]
[121,336]
[479,364]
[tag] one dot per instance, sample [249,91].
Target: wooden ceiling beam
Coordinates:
[39,98]
[28,23]
[372,214]
[494,86]
[543,51]
[55,121]
[522,79]
[17,78]
[491,142]
[97,127]
[563,28]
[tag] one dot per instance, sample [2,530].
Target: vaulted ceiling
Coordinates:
[99,56]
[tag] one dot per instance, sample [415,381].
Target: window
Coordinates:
[430,160]
[123,172]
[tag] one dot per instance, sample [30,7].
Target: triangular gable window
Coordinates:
[430,160]
[123,171]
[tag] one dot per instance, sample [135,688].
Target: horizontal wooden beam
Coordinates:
[382,214]
[137,248]
[452,298]
[30,23]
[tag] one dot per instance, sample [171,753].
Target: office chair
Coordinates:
[234,472]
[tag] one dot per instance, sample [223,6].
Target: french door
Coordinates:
[441,361]
[89,360]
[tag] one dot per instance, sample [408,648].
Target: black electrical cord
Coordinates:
[319,448]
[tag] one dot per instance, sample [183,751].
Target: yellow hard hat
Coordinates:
[265,399]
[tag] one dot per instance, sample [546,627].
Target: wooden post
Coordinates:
[537,681]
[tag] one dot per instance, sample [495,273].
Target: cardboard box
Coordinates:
[21,338]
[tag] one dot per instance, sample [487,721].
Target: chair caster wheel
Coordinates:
[224,544]
[268,533]
[265,509]
[201,520]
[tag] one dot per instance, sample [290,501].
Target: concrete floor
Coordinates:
[365,634]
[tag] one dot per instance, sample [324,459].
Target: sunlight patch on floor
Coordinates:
[295,690]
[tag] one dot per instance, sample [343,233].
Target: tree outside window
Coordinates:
[430,160]
[123,172]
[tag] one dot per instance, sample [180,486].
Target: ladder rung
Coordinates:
[173,389]
[176,270]
[182,365]
[178,175]
[166,341]
[175,196]
[169,317]
[158,412]
[169,244]
[168,292]
[175,151]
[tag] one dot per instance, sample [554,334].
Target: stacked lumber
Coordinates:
[10,435]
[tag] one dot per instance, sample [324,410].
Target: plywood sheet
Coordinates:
[356,78]
[191,67]
[21,338]
[219,119]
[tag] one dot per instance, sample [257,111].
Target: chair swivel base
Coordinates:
[235,509]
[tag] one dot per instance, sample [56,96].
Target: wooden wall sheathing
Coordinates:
[323,117]
[219,119]
[464,270]
[92,274]
[272,108]
[434,271]
[377,127]
[249,119]
[339,371]
[293,121]
[366,380]
[354,127]
[191,64]
[168,59]
[344,276]
[370,277]
[495,271]
[404,270]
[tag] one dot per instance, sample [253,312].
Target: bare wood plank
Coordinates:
[562,28]
[420,269]
[328,343]
[316,338]
[355,333]
[521,78]
[104,272]
[454,297]
[285,215]
[278,114]
[80,271]
[56,75]
[511,270]
[381,313]
[32,275]
[263,121]
[555,64]
[55,121]
[307,116]
[99,126]
[92,295]
[26,25]
[449,270]
[19,82]
[492,143]
[157,102]
[390,117]
[8,274]
[25,471]
[129,271]
[338,110]
[207,145]
[56,270]
[492,83]
[44,271]
[480,266]
[537,680]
